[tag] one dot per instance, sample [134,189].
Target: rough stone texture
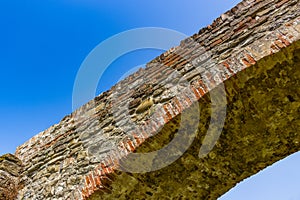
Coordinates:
[262,126]
[10,171]
[253,49]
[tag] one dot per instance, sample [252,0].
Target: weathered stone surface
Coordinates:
[262,126]
[253,49]
[10,171]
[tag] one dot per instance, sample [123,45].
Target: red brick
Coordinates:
[197,94]
[98,181]
[103,165]
[281,3]
[166,118]
[105,170]
[246,63]
[126,149]
[130,145]
[177,104]
[203,86]
[274,47]
[110,169]
[100,171]
[219,41]
[287,43]
[201,91]
[87,181]
[97,170]
[84,193]
[92,184]
[138,140]
[250,59]
[240,28]
[174,108]
[279,44]
[167,110]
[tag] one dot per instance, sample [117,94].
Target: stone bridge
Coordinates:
[199,119]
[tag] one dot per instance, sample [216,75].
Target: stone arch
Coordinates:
[256,57]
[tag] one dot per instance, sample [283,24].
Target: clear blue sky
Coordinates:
[43,43]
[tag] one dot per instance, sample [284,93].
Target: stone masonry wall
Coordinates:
[10,171]
[82,153]
[262,126]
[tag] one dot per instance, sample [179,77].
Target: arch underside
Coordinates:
[262,127]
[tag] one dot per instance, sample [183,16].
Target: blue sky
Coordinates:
[280,181]
[43,43]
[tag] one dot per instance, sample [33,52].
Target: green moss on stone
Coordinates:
[262,126]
